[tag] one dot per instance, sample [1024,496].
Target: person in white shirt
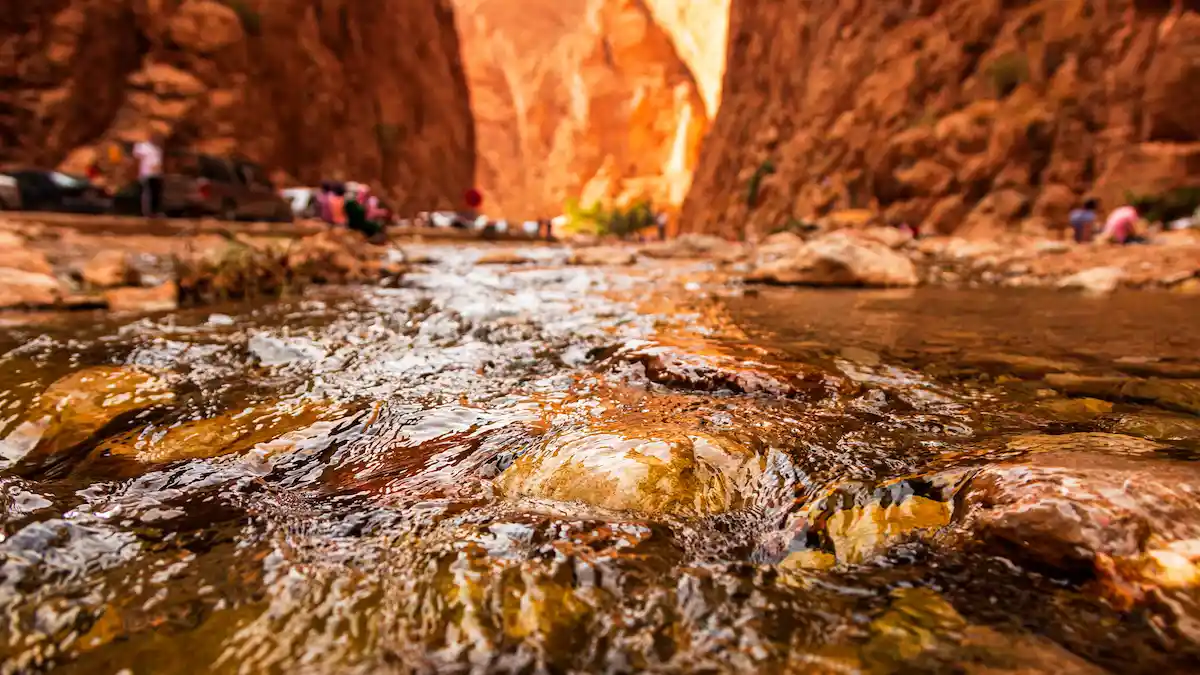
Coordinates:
[149,156]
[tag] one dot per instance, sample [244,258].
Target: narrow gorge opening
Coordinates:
[590,101]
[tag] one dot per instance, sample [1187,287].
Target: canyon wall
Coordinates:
[598,100]
[369,90]
[969,116]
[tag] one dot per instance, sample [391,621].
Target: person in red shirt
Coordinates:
[473,199]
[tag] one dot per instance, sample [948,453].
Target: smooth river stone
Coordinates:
[675,474]
[76,407]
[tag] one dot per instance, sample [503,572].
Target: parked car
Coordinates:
[10,193]
[47,190]
[202,185]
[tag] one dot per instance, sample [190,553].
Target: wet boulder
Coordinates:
[1071,508]
[686,246]
[1019,365]
[651,471]
[19,288]
[108,269]
[674,367]
[74,410]
[1074,409]
[335,256]
[1157,425]
[235,432]
[777,246]
[852,523]
[603,255]
[502,257]
[16,254]
[921,632]
[1094,442]
[161,298]
[1173,394]
[839,260]
[1094,281]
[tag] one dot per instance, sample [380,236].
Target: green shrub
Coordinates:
[1008,72]
[1171,205]
[765,169]
[617,221]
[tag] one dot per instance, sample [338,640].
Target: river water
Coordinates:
[551,469]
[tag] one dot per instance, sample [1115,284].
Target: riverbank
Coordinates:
[130,264]
[67,262]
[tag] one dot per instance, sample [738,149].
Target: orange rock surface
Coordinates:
[972,116]
[600,100]
[353,89]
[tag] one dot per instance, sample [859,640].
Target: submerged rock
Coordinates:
[839,260]
[686,246]
[16,254]
[226,434]
[1158,426]
[661,471]
[1094,281]
[1067,507]
[1108,444]
[705,372]
[76,407]
[603,255]
[502,257]
[108,269]
[1019,364]
[19,288]
[162,298]
[922,632]
[853,523]
[1182,395]
[1075,409]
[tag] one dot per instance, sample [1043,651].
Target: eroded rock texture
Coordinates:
[970,116]
[590,99]
[354,89]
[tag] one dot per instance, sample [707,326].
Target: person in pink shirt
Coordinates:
[1121,226]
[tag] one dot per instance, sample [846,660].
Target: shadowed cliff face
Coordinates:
[589,99]
[972,116]
[371,91]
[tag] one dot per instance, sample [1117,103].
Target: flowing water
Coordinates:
[556,469]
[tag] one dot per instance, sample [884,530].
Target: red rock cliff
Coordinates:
[592,99]
[369,90]
[967,115]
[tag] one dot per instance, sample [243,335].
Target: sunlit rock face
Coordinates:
[963,116]
[319,89]
[600,100]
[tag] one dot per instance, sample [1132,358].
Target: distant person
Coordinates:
[374,206]
[473,199]
[660,222]
[356,213]
[324,208]
[1083,221]
[149,156]
[337,204]
[1121,226]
